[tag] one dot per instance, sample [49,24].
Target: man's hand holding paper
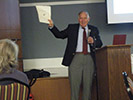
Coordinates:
[51,24]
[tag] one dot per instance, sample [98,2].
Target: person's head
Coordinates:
[8,55]
[83,18]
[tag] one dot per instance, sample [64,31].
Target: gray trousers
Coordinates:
[81,71]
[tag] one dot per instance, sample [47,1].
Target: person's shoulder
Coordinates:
[20,73]
[91,26]
[73,24]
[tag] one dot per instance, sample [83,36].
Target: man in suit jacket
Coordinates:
[81,65]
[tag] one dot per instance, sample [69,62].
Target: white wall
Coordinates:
[53,65]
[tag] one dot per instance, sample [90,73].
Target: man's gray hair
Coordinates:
[84,12]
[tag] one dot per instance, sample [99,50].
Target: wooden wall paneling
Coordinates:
[10,19]
[14,13]
[10,23]
[15,34]
[20,63]
[4,34]
[4,14]
[10,14]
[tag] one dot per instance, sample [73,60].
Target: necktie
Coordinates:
[85,49]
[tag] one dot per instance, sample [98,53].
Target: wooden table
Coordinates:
[56,88]
[52,88]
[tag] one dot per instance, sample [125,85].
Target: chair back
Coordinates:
[16,90]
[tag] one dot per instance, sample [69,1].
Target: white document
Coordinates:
[44,13]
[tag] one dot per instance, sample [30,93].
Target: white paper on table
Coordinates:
[44,13]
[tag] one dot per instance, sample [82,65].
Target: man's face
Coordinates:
[83,19]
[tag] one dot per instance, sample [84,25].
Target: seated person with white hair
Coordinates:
[8,61]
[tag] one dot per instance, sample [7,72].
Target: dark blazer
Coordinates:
[71,33]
